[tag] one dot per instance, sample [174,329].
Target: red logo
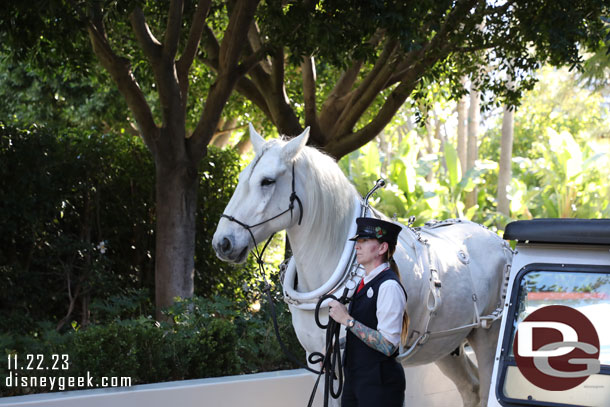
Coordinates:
[556,348]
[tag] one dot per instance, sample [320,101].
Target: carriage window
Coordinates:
[586,292]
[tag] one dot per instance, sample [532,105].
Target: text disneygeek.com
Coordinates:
[29,373]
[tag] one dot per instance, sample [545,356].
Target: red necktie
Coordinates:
[360,286]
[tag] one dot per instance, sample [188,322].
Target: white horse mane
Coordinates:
[328,209]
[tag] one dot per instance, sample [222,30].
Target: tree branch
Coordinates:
[234,38]
[254,39]
[212,47]
[150,45]
[247,88]
[192,44]
[184,63]
[308,71]
[252,60]
[285,119]
[441,40]
[230,50]
[337,99]
[367,91]
[173,29]
[119,70]
[162,64]
[433,51]
[341,146]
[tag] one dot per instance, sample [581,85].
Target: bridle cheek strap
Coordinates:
[295,197]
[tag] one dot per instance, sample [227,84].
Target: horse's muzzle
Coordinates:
[226,250]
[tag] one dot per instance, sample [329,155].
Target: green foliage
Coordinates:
[207,338]
[560,163]
[61,98]
[567,181]
[79,213]
[519,38]
[560,151]
[219,170]
[428,186]
[77,209]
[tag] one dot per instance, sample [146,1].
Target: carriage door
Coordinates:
[556,347]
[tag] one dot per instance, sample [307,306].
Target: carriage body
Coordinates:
[557,262]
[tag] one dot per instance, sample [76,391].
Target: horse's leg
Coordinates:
[459,369]
[483,342]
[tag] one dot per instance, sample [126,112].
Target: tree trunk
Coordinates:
[472,147]
[461,133]
[224,133]
[244,145]
[176,186]
[506,153]
[438,134]
[385,150]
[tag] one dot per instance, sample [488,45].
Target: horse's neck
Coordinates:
[317,244]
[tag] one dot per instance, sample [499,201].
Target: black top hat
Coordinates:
[372,228]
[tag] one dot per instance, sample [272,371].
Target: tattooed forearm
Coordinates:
[373,338]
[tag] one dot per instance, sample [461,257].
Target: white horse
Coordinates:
[453,272]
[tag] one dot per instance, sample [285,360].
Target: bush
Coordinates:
[77,232]
[78,227]
[207,338]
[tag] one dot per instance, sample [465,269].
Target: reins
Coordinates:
[331,359]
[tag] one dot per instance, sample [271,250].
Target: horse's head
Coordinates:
[264,191]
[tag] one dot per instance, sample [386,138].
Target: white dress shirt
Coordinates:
[391,305]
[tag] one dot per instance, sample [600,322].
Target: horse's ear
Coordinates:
[256,139]
[294,146]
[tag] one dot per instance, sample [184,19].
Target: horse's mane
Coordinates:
[329,204]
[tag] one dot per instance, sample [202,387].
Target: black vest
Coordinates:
[364,310]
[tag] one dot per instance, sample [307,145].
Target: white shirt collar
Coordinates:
[368,278]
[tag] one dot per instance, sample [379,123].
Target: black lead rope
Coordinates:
[331,359]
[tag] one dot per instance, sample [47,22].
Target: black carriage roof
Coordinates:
[573,231]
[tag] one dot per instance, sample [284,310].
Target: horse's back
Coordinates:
[470,253]
[463,263]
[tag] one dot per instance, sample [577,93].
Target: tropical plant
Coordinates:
[567,181]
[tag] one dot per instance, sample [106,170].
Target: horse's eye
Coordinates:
[267,181]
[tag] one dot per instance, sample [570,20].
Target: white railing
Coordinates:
[426,386]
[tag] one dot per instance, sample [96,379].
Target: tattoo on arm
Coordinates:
[373,338]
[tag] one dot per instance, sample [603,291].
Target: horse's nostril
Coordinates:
[225,245]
